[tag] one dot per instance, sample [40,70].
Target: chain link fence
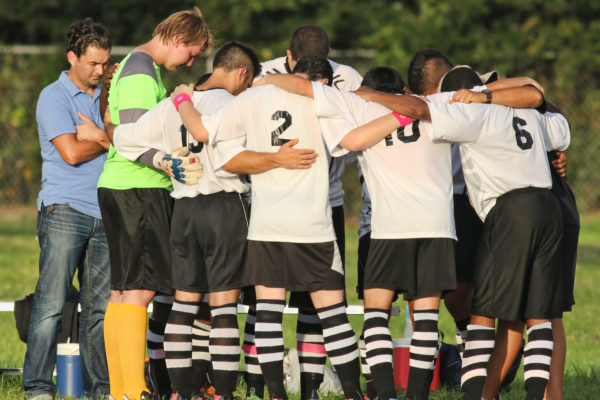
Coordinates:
[23,74]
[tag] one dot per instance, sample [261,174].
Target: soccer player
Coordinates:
[313,40]
[411,248]
[136,207]
[291,238]
[522,226]
[388,80]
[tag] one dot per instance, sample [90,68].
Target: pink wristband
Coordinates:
[180,98]
[403,119]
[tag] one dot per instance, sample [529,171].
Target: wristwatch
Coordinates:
[488,96]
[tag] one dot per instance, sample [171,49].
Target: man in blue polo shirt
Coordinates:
[69,228]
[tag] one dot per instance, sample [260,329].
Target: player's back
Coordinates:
[501,148]
[408,176]
[287,205]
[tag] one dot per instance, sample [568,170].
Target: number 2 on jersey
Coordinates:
[275,140]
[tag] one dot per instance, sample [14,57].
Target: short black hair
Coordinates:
[426,69]
[315,67]
[233,55]
[384,79]
[83,34]
[309,40]
[461,77]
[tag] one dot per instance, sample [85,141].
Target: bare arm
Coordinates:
[89,131]
[514,82]
[190,117]
[251,162]
[517,97]
[288,82]
[75,151]
[410,106]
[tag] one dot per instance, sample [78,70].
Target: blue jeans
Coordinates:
[69,241]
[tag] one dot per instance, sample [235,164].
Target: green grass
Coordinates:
[18,275]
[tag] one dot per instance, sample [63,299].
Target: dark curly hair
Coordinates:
[85,33]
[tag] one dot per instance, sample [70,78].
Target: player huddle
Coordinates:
[284,141]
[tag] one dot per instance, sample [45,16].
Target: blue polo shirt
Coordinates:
[56,115]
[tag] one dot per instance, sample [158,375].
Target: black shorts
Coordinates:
[208,242]
[468,232]
[568,261]
[302,299]
[137,223]
[295,266]
[414,267]
[517,273]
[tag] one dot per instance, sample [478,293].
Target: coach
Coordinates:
[69,226]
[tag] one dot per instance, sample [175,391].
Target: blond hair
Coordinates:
[189,25]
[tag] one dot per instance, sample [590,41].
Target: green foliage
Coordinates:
[553,41]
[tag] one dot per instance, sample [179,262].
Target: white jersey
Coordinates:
[501,148]
[344,78]
[409,177]
[161,128]
[287,205]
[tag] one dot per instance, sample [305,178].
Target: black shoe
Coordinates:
[146,396]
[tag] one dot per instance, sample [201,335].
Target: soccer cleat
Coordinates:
[207,393]
[146,396]
[148,377]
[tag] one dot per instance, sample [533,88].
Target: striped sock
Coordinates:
[311,352]
[254,380]
[178,346]
[200,354]
[423,352]
[478,350]
[378,342]
[461,334]
[340,343]
[364,367]
[538,354]
[269,344]
[161,308]
[224,346]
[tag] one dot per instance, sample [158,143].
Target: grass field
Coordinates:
[18,275]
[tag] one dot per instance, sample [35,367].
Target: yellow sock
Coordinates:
[111,322]
[132,348]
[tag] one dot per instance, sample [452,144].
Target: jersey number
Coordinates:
[416,134]
[524,139]
[275,140]
[194,148]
